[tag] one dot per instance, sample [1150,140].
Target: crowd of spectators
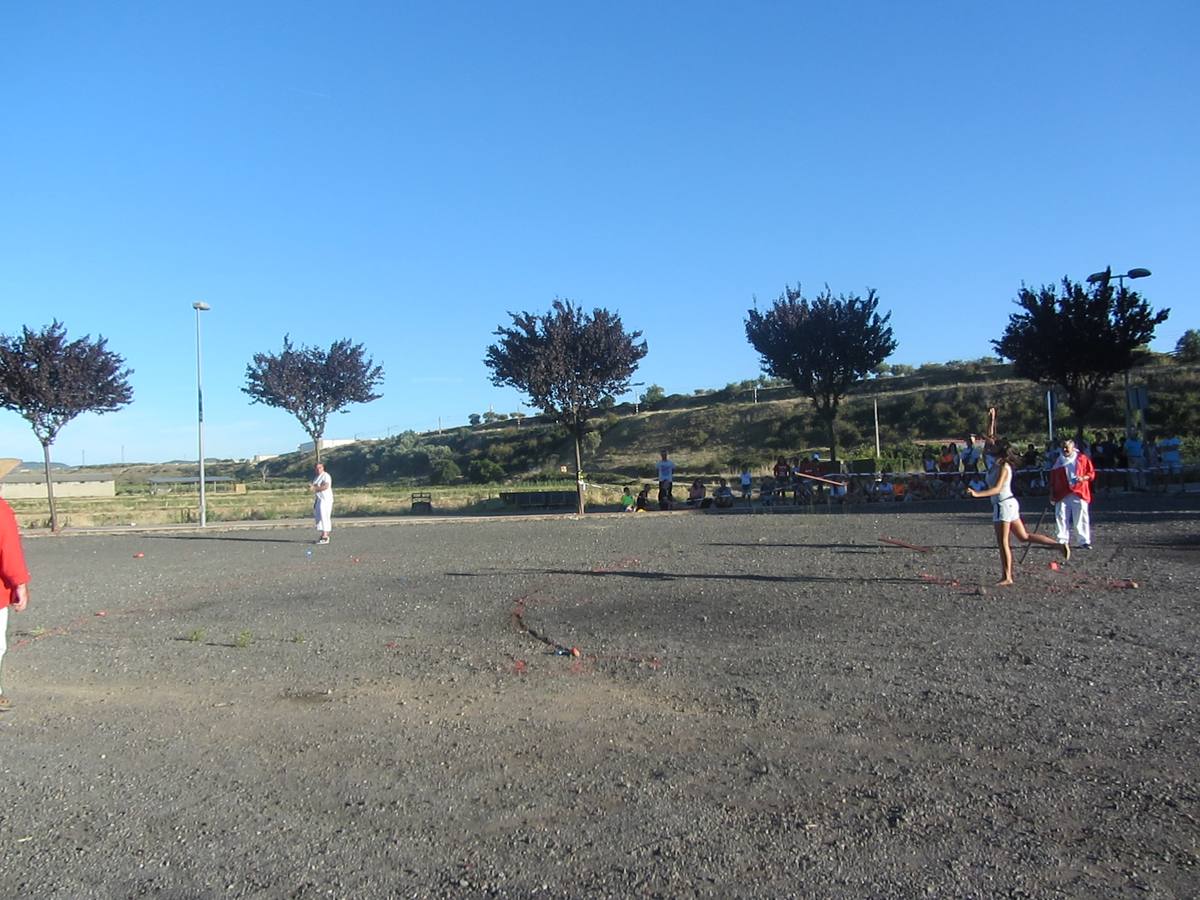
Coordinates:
[948,471]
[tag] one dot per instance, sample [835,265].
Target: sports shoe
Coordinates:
[1084,547]
[5,704]
[323,540]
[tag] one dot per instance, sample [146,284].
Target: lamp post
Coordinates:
[1105,276]
[200,306]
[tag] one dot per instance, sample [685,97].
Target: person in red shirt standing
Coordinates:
[1071,490]
[14,580]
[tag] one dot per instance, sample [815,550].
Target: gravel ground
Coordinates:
[762,706]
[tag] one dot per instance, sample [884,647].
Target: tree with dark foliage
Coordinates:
[311,383]
[1079,339]
[822,346]
[567,361]
[1187,348]
[50,380]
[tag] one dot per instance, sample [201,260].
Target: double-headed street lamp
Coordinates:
[200,306]
[1104,277]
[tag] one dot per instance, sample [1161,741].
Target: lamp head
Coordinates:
[201,306]
[1099,276]
[1137,273]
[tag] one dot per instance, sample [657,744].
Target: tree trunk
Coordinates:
[578,471]
[50,490]
[829,420]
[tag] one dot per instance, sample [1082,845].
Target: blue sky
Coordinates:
[404,174]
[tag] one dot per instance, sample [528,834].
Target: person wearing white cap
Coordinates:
[1071,490]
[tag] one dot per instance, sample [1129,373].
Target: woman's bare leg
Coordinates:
[1018,528]
[1005,554]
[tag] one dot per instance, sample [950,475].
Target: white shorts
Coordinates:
[1007,510]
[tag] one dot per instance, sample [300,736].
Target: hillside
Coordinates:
[712,432]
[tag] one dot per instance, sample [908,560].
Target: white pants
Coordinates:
[1071,514]
[323,513]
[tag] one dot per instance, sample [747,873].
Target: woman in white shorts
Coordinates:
[1006,511]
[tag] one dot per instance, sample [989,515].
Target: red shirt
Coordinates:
[12,559]
[1060,485]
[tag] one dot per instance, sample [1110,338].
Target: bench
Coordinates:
[422,502]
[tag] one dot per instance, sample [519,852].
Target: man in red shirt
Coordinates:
[14,580]
[1071,490]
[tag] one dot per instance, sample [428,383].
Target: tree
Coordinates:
[653,396]
[1188,346]
[567,361]
[1079,339]
[311,383]
[485,471]
[50,381]
[474,419]
[822,346]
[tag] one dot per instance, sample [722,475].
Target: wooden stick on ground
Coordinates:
[917,547]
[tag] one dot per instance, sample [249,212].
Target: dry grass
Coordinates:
[268,505]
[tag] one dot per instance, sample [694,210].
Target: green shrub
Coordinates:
[444,471]
[484,471]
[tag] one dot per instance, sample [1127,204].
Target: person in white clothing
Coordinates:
[322,488]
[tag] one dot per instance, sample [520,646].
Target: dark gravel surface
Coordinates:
[763,706]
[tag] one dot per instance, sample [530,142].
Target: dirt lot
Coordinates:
[763,706]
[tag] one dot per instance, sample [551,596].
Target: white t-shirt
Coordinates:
[323,483]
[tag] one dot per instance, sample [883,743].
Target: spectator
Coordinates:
[1170,454]
[970,455]
[747,482]
[723,496]
[766,491]
[947,461]
[781,472]
[666,480]
[839,493]
[642,504]
[696,493]
[627,501]
[929,460]
[1134,460]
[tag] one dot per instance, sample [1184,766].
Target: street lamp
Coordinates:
[200,306]
[1105,276]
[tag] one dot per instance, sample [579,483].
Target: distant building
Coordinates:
[326,444]
[28,485]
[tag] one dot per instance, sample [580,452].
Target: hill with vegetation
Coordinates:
[712,432]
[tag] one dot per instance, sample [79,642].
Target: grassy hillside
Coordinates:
[714,432]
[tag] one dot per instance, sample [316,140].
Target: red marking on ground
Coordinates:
[520,667]
[392,645]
